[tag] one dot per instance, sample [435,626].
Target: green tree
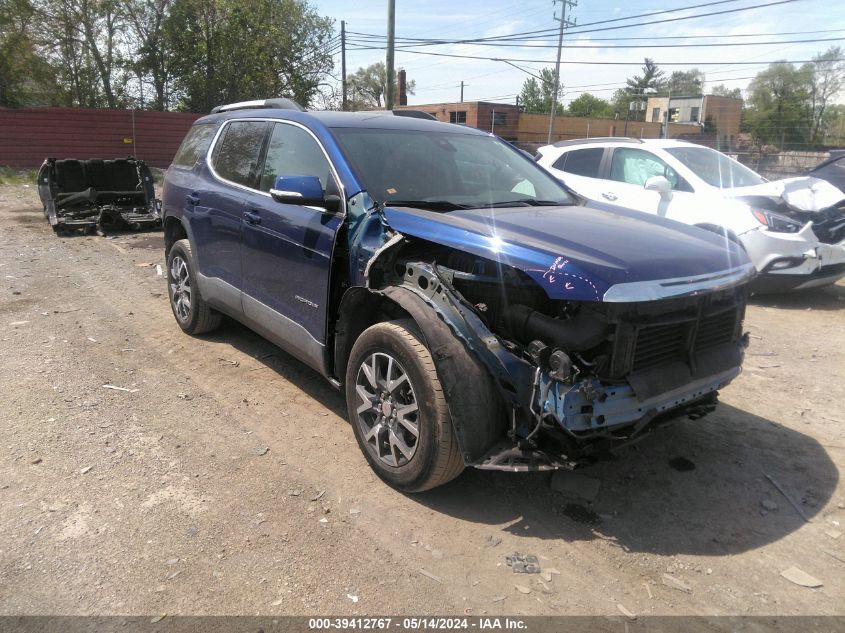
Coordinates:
[721,90]
[587,105]
[827,79]
[228,50]
[778,112]
[25,77]
[536,94]
[152,59]
[686,83]
[637,89]
[366,87]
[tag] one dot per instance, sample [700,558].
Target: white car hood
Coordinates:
[802,194]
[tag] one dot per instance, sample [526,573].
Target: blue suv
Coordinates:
[474,310]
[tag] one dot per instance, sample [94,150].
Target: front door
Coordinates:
[287,248]
[630,168]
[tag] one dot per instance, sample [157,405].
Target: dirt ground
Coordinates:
[223,478]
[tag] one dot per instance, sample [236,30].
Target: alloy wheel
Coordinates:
[387,413]
[180,288]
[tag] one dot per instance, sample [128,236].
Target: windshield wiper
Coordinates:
[439,205]
[523,203]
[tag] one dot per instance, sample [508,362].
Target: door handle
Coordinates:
[251,217]
[609,195]
[192,199]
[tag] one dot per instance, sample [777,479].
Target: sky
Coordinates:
[438,78]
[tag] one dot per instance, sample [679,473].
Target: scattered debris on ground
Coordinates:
[523,563]
[799,577]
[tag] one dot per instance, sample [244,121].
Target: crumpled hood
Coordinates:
[804,193]
[575,252]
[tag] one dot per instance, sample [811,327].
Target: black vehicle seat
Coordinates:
[95,174]
[70,175]
[73,187]
[120,181]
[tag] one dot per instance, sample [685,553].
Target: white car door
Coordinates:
[580,169]
[630,168]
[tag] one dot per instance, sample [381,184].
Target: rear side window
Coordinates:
[194,145]
[237,153]
[581,162]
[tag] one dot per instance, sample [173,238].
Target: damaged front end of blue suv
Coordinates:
[475,312]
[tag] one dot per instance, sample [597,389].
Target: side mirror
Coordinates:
[305,191]
[659,184]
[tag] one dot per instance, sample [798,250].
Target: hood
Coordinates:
[803,194]
[576,252]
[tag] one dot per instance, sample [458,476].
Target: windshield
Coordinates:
[715,168]
[446,170]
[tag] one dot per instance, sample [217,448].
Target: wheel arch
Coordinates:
[475,406]
[174,230]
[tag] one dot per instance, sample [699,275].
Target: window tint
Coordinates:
[238,151]
[581,162]
[194,145]
[635,166]
[475,170]
[715,168]
[293,152]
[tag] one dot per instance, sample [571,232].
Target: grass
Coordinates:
[12,176]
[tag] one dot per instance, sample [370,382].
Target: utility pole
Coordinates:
[343,64]
[462,91]
[390,90]
[563,24]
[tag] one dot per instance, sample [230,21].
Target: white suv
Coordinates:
[793,230]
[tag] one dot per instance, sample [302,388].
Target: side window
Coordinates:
[194,145]
[293,152]
[238,152]
[581,162]
[635,166]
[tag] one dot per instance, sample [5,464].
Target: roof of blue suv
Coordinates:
[333,119]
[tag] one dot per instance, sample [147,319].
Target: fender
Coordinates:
[475,405]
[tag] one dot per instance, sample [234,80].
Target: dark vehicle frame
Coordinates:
[89,194]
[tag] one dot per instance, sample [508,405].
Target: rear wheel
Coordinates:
[192,313]
[398,409]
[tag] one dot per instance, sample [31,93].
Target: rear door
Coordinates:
[581,170]
[287,248]
[217,205]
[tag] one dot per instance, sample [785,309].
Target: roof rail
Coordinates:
[415,114]
[411,114]
[597,139]
[280,103]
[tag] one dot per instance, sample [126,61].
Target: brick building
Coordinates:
[500,118]
[721,115]
[531,130]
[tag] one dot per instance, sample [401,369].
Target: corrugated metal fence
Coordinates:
[29,135]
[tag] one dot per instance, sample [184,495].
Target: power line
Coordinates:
[626,46]
[537,61]
[571,32]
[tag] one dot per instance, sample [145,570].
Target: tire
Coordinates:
[393,352]
[194,316]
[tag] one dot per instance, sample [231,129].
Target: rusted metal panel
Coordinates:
[28,135]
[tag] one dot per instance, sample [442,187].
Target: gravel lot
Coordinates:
[222,477]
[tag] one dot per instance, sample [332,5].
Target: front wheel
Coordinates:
[398,410]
